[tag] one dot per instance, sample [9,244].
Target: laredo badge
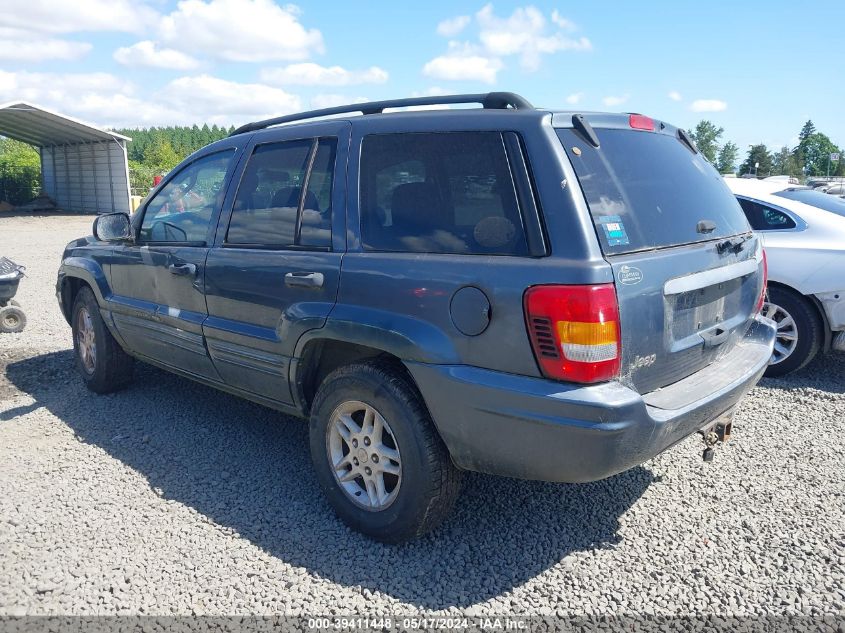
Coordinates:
[629,275]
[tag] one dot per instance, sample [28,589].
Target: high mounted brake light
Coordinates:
[574,331]
[641,122]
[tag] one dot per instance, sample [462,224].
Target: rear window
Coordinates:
[818,199]
[648,190]
[443,192]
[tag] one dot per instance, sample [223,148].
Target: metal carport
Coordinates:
[84,169]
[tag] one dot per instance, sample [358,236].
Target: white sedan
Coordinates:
[804,236]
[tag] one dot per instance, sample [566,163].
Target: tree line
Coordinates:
[811,157]
[155,151]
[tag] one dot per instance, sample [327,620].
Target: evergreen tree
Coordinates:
[706,136]
[726,162]
[757,154]
[806,131]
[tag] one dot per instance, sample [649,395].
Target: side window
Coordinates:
[762,217]
[275,183]
[448,192]
[182,210]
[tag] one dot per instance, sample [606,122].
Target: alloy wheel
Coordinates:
[786,339]
[363,455]
[85,340]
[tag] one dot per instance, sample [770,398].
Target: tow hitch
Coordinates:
[718,432]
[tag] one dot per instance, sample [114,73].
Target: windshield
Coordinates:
[648,190]
[817,199]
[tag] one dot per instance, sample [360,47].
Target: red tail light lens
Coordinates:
[762,299]
[574,331]
[641,122]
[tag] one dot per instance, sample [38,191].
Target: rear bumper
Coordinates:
[532,428]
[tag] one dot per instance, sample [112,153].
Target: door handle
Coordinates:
[183,270]
[304,280]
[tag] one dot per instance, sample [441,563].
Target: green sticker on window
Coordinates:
[614,230]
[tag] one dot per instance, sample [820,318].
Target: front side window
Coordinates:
[762,217]
[181,211]
[448,192]
[275,186]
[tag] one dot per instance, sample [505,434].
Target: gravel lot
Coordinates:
[173,498]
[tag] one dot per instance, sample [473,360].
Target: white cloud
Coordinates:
[333,100]
[107,100]
[310,74]
[20,45]
[674,95]
[708,105]
[562,22]
[575,98]
[525,33]
[51,16]
[217,100]
[239,31]
[613,101]
[452,26]
[462,63]
[148,54]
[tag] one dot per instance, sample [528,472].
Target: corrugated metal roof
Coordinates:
[38,126]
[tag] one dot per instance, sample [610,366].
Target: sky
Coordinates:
[757,69]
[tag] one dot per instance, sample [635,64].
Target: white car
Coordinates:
[803,233]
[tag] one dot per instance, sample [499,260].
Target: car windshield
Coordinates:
[817,199]
[648,190]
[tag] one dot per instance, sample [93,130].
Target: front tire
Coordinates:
[799,335]
[378,458]
[100,360]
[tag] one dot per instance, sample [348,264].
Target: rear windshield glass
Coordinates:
[817,199]
[648,190]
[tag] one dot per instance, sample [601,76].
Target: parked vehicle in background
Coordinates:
[803,231]
[542,295]
[837,189]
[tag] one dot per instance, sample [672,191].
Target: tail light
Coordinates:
[762,298]
[574,331]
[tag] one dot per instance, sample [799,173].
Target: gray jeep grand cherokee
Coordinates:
[535,294]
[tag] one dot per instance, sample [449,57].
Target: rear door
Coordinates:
[685,263]
[273,272]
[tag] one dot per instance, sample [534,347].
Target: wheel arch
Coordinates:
[317,357]
[817,307]
[75,273]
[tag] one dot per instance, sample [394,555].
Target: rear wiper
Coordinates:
[733,244]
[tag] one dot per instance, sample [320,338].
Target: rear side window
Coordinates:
[648,190]
[762,217]
[449,192]
[275,185]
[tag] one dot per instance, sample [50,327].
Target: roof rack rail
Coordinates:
[489,100]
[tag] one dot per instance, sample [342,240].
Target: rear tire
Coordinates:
[100,360]
[12,319]
[419,484]
[800,331]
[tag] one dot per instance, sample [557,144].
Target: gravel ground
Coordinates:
[173,498]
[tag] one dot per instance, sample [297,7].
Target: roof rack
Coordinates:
[489,100]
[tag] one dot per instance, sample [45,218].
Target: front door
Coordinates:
[158,302]
[274,270]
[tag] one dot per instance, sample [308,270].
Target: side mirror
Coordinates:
[113,227]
